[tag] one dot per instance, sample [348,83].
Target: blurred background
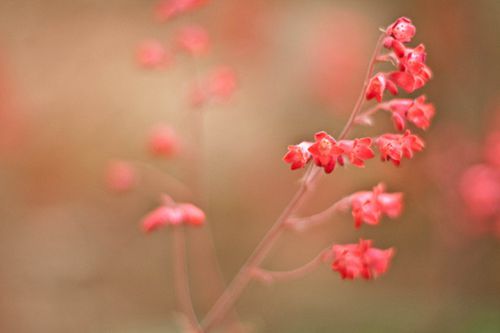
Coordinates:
[72,98]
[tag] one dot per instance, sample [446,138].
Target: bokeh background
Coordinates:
[72,97]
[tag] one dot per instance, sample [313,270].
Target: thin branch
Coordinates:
[267,276]
[244,276]
[302,223]
[182,291]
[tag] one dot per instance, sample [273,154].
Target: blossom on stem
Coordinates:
[298,155]
[401,30]
[360,260]
[393,147]
[325,151]
[171,213]
[163,141]
[370,206]
[414,110]
[193,39]
[357,151]
[413,73]
[377,86]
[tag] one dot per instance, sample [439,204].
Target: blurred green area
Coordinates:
[72,256]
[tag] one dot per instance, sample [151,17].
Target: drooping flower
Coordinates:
[120,176]
[193,39]
[416,111]
[163,141]
[325,151]
[357,150]
[377,86]
[413,73]
[393,147]
[298,155]
[370,206]
[401,30]
[360,260]
[152,54]
[172,213]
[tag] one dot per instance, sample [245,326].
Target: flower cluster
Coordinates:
[393,147]
[172,213]
[370,206]
[412,72]
[360,260]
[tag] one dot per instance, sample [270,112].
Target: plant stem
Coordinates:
[183,294]
[271,276]
[244,275]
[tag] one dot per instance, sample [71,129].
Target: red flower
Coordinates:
[413,72]
[120,176]
[152,54]
[357,150]
[360,260]
[401,30]
[163,141]
[218,86]
[171,213]
[393,147]
[415,111]
[325,151]
[193,39]
[368,207]
[377,85]
[298,155]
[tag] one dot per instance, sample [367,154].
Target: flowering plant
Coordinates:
[319,156]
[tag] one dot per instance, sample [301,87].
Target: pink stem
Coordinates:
[267,276]
[301,223]
[182,291]
[244,275]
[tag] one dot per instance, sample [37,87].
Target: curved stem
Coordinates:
[361,97]
[183,293]
[371,111]
[301,223]
[268,276]
[244,275]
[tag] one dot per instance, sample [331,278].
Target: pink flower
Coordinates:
[192,214]
[163,141]
[325,151]
[193,39]
[360,260]
[219,86]
[168,9]
[480,190]
[369,207]
[357,150]
[393,147]
[120,176]
[152,54]
[171,213]
[401,30]
[413,72]
[377,86]
[415,111]
[298,155]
